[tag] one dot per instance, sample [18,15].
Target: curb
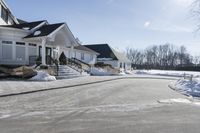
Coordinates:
[175,89]
[78,85]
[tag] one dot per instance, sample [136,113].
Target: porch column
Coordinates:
[71,51]
[43,52]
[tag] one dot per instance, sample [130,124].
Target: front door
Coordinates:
[48,54]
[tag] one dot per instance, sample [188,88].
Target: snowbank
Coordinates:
[43,76]
[105,72]
[188,87]
[167,73]
[100,72]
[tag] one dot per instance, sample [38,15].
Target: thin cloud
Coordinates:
[147,24]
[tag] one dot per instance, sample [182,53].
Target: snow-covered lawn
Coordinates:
[189,86]
[166,73]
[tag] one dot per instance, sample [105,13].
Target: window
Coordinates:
[32,51]
[20,53]
[4,14]
[10,20]
[74,54]
[82,56]
[7,52]
[7,42]
[31,44]
[120,65]
[20,43]
[124,65]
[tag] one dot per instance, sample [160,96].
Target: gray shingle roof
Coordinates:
[81,47]
[106,51]
[45,30]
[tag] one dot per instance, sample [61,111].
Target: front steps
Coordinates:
[66,72]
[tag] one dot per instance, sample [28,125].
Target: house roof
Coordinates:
[28,26]
[83,48]
[21,21]
[45,30]
[106,51]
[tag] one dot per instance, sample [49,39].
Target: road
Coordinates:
[121,106]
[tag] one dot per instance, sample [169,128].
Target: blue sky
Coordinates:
[121,23]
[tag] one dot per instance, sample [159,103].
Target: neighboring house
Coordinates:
[85,54]
[110,56]
[82,53]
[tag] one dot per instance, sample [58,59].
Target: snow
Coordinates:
[100,72]
[104,72]
[166,73]
[37,33]
[178,100]
[188,87]
[4,116]
[26,28]
[105,59]
[43,76]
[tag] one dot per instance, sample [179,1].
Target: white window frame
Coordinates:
[82,56]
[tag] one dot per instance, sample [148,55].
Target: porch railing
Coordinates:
[86,67]
[71,63]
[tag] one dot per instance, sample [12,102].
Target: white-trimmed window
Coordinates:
[7,42]
[20,43]
[32,44]
[74,54]
[20,53]
[4,14]
[82,56]
[7,50]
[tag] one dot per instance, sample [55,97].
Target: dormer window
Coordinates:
[4,14]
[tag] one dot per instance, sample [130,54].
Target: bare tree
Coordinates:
[165,56]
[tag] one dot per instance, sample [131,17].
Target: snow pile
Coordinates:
[178,100]
[43,76]
[188,87]
[97,71]
[122,73]
[167,73]
[100,72]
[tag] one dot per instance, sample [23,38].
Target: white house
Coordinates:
[108,55]
[21,43]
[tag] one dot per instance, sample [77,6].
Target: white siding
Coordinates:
[87,56]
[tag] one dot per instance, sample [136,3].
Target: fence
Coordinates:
[190,76]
